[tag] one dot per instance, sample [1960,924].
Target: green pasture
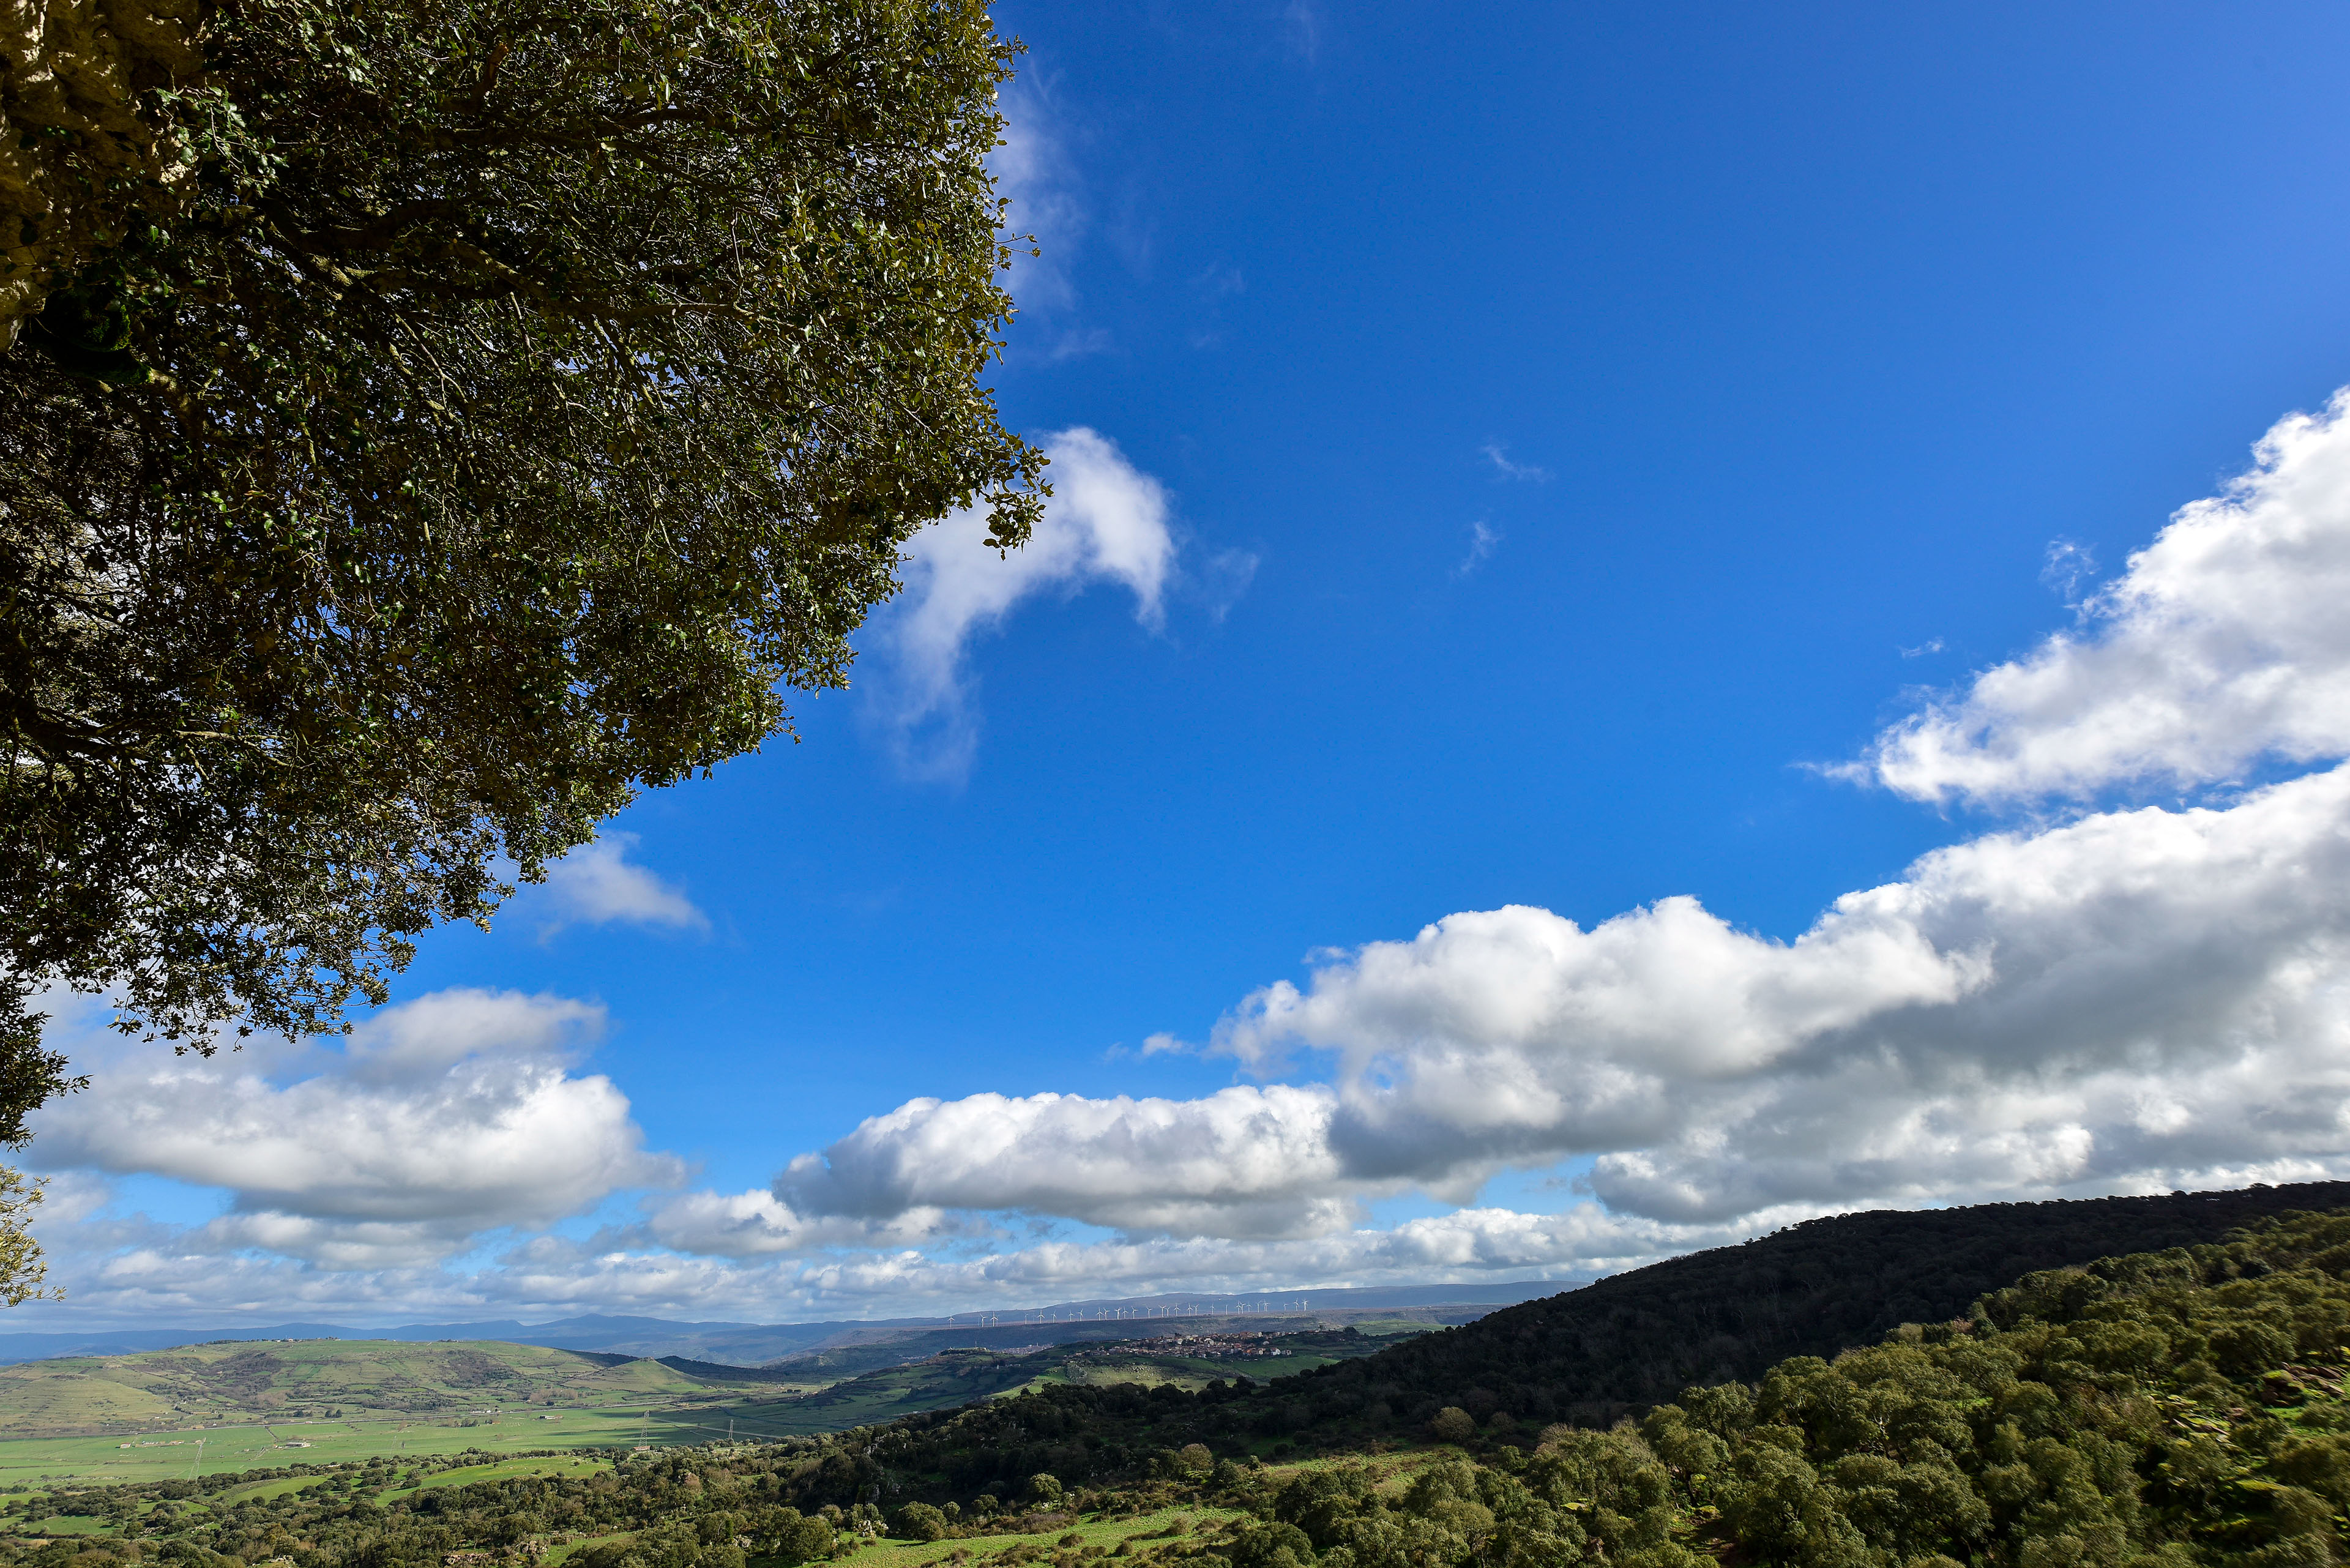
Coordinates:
[74,1524]
[25,1462]
[556,1554]
[163,1453]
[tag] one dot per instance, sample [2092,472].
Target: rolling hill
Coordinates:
[315,1379]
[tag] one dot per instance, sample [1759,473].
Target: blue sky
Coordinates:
[1509,456]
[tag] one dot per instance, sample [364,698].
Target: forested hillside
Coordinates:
[1615,1347]
[1811,1290]
[2174,1409]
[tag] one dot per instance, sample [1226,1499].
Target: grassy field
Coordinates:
[159,1456]
[74,1525]
[206,1409]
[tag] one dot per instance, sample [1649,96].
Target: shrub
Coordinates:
[1452,1425]
[919,1522]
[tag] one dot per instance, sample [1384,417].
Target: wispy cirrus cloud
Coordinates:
[1497,455]
[1482,540]
[1047,214]
[1302,24]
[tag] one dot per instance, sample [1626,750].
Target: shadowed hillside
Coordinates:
[1811,1290]
[1592,1354]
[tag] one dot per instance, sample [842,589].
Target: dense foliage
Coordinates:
[2182,1409]
[2157,1411]
[481,409]
[1813,1289]
[86,154]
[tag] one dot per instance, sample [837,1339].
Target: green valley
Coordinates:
[237,1406]
[241,1405]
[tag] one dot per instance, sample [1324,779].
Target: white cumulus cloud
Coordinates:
[2133,1000]
[2020,1015]
[2223,643]
[452,1115]
[1244,1161]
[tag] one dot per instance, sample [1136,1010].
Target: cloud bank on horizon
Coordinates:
[2106,994]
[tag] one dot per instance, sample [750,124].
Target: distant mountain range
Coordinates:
[758,1345]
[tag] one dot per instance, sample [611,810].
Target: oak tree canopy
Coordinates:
[424,424]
